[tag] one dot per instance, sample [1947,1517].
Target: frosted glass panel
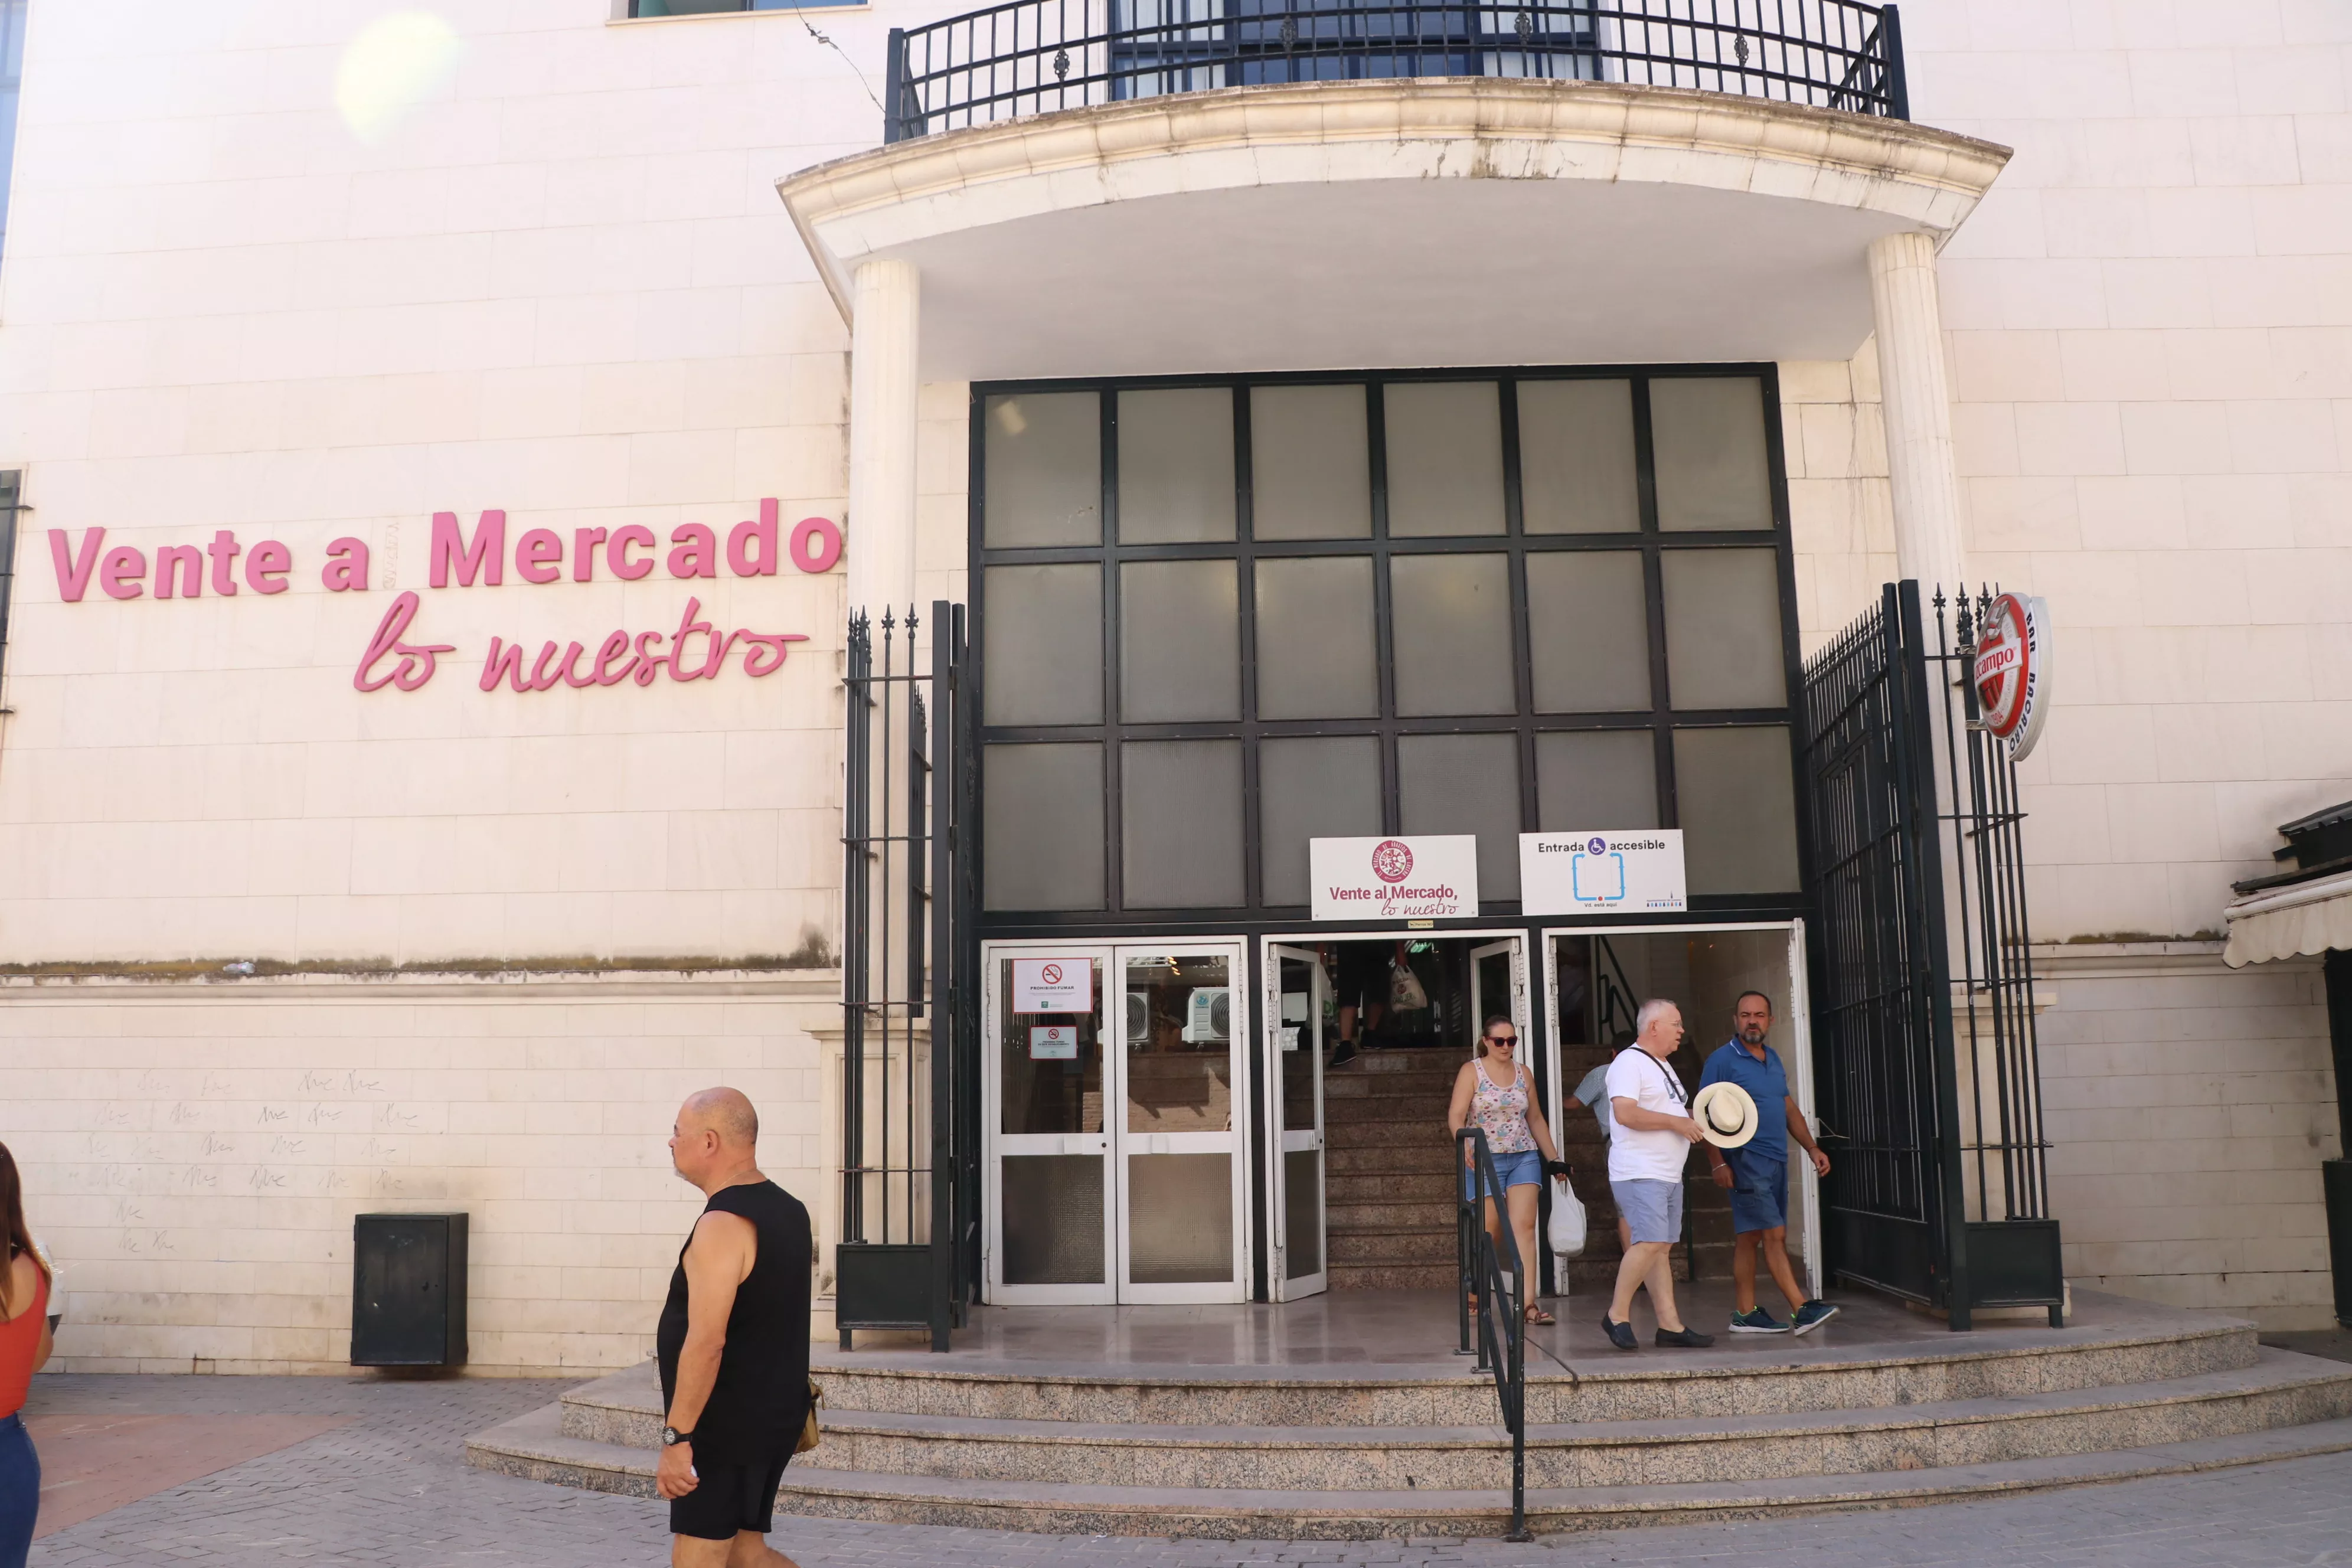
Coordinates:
[1606,779]
[1737,806]
[1314,657]
[1052,1219]
[1181,818]
[1723,629]
[1302,1212]
[1180,1059]
[1466,783]
[1041,640]
[1576,457]
[1588,630]
[1444,445]
[1041,833]
[1176,466]
[1311,466]
[1044,458]
[1301,1057]
[1179,1218]
[1179,641]
[1706,437]
[1452,633]
[1053,1094]
[1317,788]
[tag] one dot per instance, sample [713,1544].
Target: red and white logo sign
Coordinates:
[1391,860]
[2012,670]
[1428,877]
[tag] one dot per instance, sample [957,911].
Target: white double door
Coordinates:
[1115,1096]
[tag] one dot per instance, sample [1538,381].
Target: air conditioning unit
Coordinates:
[1138,1017]
[1208,1015]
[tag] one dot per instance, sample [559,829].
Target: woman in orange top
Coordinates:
[24,1347]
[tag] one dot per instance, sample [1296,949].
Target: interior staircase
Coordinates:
[1341,1451]
[1389,1185]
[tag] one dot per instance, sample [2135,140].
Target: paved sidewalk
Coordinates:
[390,1487]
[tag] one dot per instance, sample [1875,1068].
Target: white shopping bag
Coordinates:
[1567,1220]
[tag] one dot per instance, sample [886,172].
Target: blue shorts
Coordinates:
[1759,1190]
[1653,1211]
[1522,1169]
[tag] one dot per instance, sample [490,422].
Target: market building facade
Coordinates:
[450,453]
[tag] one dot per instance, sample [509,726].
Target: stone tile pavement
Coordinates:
[390,1487]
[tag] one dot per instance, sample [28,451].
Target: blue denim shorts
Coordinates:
[1759,1190]
[1524,1169]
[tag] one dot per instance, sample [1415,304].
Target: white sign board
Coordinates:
[1053,1042]
[1394,878]
[1589,873]
[1052,986]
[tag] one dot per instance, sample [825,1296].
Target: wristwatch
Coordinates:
[672,1436]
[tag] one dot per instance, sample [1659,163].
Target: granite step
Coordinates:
[2281,1390]
[534,1447]
[1341,1275]
[1391,1244]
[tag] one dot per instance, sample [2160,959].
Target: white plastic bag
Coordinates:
[1567,1220]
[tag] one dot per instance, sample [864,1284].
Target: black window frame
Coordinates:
[1661,718]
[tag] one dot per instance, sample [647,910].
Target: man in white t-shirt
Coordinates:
[1648,1148]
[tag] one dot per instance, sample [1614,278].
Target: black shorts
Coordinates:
[1363,977]
[728,1500]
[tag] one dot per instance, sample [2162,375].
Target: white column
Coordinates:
[883,385]
[1916,394]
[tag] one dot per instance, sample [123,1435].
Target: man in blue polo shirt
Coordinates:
[1758,1171]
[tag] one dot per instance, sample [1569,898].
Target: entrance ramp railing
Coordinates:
[1492,1303]
[909,1248]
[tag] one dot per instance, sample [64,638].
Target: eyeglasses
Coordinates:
[1502,1039]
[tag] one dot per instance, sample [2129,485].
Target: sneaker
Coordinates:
[1620,1334]
[1344,1055]
[1684,1338]
[1757,1322]
[1813,1315]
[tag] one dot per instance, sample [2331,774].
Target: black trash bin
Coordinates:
[408,1289]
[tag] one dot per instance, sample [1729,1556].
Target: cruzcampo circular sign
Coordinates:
[2012,670]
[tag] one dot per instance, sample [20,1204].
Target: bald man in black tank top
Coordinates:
[733,1343]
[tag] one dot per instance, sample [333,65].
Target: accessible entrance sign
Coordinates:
[1599,873]
[1434,877]
[1052,986]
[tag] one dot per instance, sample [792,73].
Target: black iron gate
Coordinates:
[909,1252]
[1926,1064]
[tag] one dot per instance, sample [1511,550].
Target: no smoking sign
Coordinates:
[1052,986]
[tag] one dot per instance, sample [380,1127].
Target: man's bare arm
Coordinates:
[717,1260]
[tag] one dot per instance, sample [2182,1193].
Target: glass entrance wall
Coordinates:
[1220,617]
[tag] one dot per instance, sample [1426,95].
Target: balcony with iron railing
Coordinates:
[1035,56]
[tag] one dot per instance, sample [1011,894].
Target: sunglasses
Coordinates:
[1502,1039]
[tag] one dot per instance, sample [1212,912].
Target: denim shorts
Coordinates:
[1653,1211]
[1522,1169]
[1759,1190]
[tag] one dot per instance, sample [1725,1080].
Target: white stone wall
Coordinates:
[193,1152]
[2188,1109]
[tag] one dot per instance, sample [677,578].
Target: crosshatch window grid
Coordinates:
[1075,841]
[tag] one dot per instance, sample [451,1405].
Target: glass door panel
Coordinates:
[1297,991]
[1177,1144]
[1051,1198]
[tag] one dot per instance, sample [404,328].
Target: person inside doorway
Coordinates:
[1364,973]
[1496,1090]
[1647,1154]
[1757,1173]
[1592,1090]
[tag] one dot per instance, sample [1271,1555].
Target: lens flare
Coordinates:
[394,64]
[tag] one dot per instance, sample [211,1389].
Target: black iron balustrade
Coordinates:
[1033,56]
[1492,1302]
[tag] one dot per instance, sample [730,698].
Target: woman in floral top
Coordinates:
[1494,1090]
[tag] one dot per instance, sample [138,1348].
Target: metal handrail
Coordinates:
[1033,56]
[1500,1342]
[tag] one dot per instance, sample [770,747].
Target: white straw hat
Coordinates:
[1726,1114]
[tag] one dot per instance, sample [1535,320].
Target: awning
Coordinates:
[2306,918]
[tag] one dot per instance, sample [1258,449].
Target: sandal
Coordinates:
[1539,1317]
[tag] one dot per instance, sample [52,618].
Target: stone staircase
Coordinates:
[1389,1186]
[1364,1450]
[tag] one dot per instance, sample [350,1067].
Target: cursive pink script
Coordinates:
[416,662]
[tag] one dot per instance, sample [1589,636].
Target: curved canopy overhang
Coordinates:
[1390,223]
[2300,919]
